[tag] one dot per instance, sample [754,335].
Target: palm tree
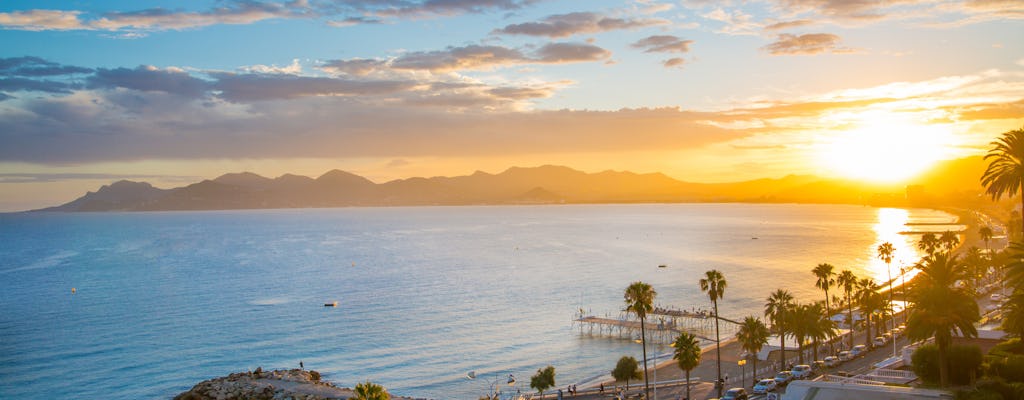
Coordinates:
[848,281]
[776,309]
[949,240]
[870,302]
[975,264]
[370,391]
[942,309]
[752,335]
[928,243]
[822,328]
[826,278]
[800,320]
[687,355]
[713,283]
[639,298]
[986,234]
[1005,173]
[885,253]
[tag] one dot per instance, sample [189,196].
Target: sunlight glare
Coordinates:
[885,151]
[891,221]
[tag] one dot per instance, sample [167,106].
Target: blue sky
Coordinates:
[92,91]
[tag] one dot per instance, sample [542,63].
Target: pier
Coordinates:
[662,324]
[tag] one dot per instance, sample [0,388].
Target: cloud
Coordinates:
[788,25]
[40,20]
[70,176]
[663,44]
[422,8]
[482,57]
[564,25]
[262,87]
[355,66]
[806,44]
[149,79]
[36,67]
[34,85]
[734,23]
[293,69]
[673,62]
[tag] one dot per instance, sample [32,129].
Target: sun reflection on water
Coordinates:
[892,221]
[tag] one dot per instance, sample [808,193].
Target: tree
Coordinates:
[752,335]
[928,243]
[687,355]
[986,234]
[885,253]
[976,265]
[826,278]
[870,302]
[713,283]
[848,281]
[543,379]
[1005,173]
[941,308]
[949,240]
[776,310]
[639,298]
[819,328]
[627,368]
[371,391]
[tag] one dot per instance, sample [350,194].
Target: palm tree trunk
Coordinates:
[687,384]
[828,315]
[718,350]
[867,333]
[753,376]
[943,366]
[800,350]
[782,345]
[643,339]
[849,303]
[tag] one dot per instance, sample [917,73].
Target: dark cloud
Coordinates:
[811,43]
[5,96]
[35,85]
[355,66]
[564,25]
[663,44]
[571,52]
[149,79]
[37,67]
[262,87]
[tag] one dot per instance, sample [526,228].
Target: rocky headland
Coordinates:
[293,384]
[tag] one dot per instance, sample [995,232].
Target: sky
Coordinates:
[173,92]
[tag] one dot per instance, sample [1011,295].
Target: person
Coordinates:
[602,387]
[559,394]
[301,366]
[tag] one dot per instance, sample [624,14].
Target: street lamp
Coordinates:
[743,368]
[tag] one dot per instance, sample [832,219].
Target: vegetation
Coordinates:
[926,362]
[941,308]
[776,309]
[869,303]
[1005,173]
[826,275]
[713,283]
[639,298]
[543,380]
[752,335]
[627,368]
[848,281]
[314,376]
[687,354]
[370,391]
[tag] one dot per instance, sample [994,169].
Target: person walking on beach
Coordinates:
[301,366]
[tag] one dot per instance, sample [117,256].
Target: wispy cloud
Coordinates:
[565,25]
[482,57]
[806,44]
[663,44]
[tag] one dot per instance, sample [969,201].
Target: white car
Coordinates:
[858,350]
[801,371]
[832,361]
[845,355]
[764,386]
[879,341]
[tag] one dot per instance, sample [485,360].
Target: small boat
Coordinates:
[331,304]
[663,266]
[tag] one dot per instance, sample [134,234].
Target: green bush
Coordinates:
[1009,368]
[967,359]
[1012,346]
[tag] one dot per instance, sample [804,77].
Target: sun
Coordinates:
[884,152]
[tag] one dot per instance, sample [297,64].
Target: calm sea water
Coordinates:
[165,300]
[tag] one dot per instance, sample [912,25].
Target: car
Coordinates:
[879,341]
[833,361]
[897,332]
[887,336]
[817,366]
[735,394]
[845,355]
[783,378]
[764,386]
[858,350]
[801,371]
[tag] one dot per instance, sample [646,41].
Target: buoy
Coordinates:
[72,290]
[331,304]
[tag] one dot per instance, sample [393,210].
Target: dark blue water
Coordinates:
[165,300]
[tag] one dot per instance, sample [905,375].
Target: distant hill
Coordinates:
[548,184]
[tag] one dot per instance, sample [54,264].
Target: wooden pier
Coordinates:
[663,325]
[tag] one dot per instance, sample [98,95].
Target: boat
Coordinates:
[331,304]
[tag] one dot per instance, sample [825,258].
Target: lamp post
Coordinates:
[743,369]
[655,371]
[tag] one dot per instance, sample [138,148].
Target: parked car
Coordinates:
[887,336]
[801,371]
[833,361]
[764,386]
[879,341]
[858,350]
[735,394]
[817,366]
[783,378]
[845,355]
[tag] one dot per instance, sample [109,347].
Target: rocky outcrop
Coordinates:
[291,384]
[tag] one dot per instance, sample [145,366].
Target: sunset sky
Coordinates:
[173,92]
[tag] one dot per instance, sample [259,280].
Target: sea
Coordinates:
[144,305]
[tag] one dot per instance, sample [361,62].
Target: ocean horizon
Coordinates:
[164,300]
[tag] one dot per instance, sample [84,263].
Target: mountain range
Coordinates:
[547,184]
